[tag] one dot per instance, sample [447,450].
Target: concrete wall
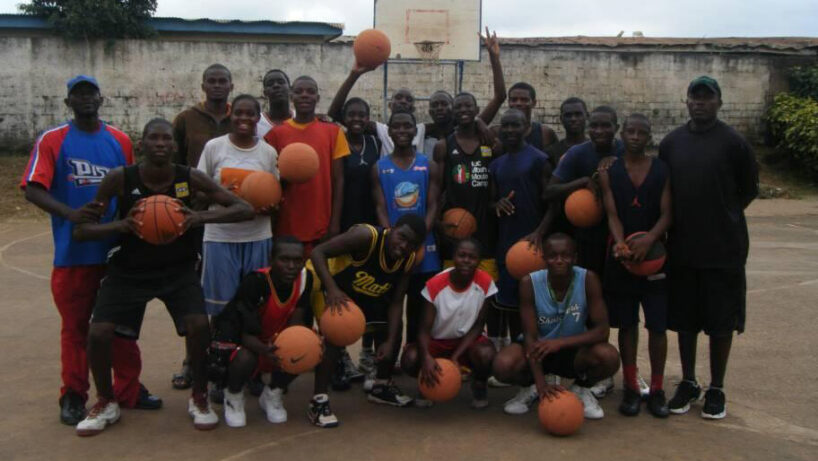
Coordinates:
[142,79]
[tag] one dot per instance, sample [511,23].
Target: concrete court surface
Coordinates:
[771,384]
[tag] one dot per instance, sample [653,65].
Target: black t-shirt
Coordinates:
[466,185]
[359,207]
[555,151]
[713,176]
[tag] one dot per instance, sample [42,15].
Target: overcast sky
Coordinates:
[540,18]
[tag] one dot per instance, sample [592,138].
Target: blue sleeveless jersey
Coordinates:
[560,319]
[406,191]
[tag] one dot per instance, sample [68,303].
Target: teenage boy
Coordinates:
[276,88]
[139,271]
[636,196]
[523,97]
[573,117]
[713,178]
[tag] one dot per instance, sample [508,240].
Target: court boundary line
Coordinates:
[263,446]
[18,269]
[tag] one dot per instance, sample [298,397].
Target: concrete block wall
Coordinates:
[142,79]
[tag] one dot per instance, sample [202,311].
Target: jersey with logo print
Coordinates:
[70,164]
[466,185]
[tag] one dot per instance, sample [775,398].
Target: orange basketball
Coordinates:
[160,220]
[261,189]
[231,178]
[583,209]
[298,162]
[371,48]
[449,382]
[344,328]
[562,415]
[522,259]
[299,349]
[458,223]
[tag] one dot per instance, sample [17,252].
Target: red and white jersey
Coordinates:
[457,310]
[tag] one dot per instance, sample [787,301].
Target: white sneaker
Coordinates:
[271,402]
[101,415]
[494,382]
[204,418]
[522,402]
[602,388]
[369,381]
[591,406]
[644,389]
[366,361]
[234,414]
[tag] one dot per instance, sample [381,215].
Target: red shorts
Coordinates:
[264,364]
[444,348]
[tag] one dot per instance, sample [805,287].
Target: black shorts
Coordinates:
[709,300]
[562,363]
[623,308]
[122,300]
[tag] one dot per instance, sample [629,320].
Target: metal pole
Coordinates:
[460,66]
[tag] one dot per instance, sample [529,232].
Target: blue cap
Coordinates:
[81,79]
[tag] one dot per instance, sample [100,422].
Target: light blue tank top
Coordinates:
[560,319]
[405,192]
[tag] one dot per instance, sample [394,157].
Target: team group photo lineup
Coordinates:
[411,261]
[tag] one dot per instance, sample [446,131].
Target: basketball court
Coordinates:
[771,380]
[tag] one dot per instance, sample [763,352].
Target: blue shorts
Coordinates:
[223,266]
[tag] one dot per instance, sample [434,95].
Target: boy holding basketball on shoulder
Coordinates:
[565,332]
[636,195]
[139,271]
[323,195]
[371,267]
[454,315]
[267,301]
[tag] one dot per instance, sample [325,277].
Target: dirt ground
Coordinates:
[771,391]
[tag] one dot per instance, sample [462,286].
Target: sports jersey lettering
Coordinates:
[84,173]
[574,310]
[479,174]
[365,284]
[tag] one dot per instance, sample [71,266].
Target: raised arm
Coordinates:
[493,48]
[343,92]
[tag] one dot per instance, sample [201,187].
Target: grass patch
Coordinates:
[779,179]
[13,205]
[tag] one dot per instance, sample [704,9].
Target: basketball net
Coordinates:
[429,51]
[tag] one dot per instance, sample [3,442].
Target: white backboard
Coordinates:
[455,23]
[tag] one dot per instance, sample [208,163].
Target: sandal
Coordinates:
[183,379]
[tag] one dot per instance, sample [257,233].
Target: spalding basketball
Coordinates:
[523,259]
[562,415]
[448,385]
[583,209]
[458,223]
[160,220]
[261,189]
[371,48]
[298,162]
[299,349]
[344,327]
[654,261]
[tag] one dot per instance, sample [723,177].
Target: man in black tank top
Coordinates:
[371,267]
[138,271]
[636,195]
[523,97]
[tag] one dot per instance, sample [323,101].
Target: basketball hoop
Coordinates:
[429,51]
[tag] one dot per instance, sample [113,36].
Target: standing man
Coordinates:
[66,168]
[523,97]
[573,116]
[276,87]
[713,177]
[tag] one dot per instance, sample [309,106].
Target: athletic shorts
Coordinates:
[709,300]
[623,309]
[444,348]
[562,363]
[122,300]
[508,290]
[488,265]
[263,365]
[224,264]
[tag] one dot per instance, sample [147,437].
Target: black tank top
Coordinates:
[136,257]
[359,207]
[370,281]
[535,136]
[466,185]
[638,209]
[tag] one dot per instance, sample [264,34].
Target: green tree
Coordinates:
[109,19]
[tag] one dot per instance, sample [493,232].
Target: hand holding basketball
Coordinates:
[430,372]
[191,217]
[621,251]
[336,300]
[640,247]
[549,391]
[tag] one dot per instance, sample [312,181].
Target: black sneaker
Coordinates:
[389,394]
[319,412]
[657,404]
[687,392]
[339,380]
[255,386]
[714,404]
[631,402]
[72,408]
[147,401]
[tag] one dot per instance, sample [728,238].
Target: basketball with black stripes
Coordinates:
[458,223]
[160,219]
